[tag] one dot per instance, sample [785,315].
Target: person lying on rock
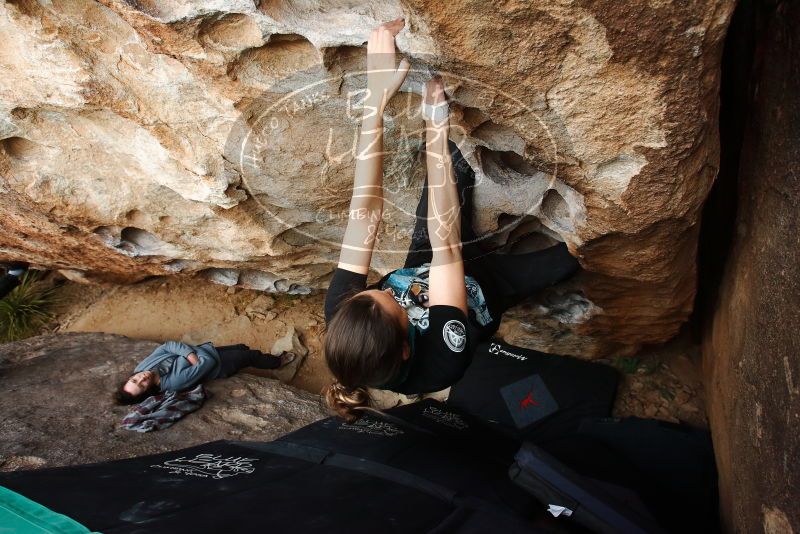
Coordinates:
[176,366]
[415,330]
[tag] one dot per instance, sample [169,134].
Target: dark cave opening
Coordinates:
[718,221]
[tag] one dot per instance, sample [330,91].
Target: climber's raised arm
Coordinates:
[444,209]
[366,206]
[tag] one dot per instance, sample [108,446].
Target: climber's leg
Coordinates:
[517,277]
[419,251]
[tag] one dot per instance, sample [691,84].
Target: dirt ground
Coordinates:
[660,382]
[195,311]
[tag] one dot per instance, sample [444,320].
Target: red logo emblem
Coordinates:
[528,401]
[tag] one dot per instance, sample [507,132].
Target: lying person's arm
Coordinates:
[182,349]
[176,347]
[169,348]
[188,376]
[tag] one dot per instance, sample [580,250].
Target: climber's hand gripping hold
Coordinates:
[384,79]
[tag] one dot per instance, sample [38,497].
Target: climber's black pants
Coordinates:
[234,358]
[513,277]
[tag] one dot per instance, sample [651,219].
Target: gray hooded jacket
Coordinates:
[182,374]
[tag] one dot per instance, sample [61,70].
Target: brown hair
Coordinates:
[122,397]
[363,347]
[345,402]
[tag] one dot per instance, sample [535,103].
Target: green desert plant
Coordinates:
[26,308]
[628,365]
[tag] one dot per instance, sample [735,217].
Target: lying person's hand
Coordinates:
[384,78]
[193,359]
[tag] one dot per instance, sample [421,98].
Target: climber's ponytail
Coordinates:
[363,348]
[349,404]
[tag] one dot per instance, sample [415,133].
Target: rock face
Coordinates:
[752,351]
[148,138]
[57,389]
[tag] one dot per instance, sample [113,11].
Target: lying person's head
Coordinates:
[365,345]
[137,388]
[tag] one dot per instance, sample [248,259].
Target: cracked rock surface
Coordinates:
[214,138]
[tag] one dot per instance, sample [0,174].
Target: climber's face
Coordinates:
[385,300]
[139,382]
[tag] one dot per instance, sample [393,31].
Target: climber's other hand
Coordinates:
[384,78]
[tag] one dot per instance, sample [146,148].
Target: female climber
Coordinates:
[176,366]
[415,330]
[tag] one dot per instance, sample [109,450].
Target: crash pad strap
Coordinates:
[352,463]
[20,514]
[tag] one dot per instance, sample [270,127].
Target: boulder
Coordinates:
[216,139]
[57,390]
[751,350]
